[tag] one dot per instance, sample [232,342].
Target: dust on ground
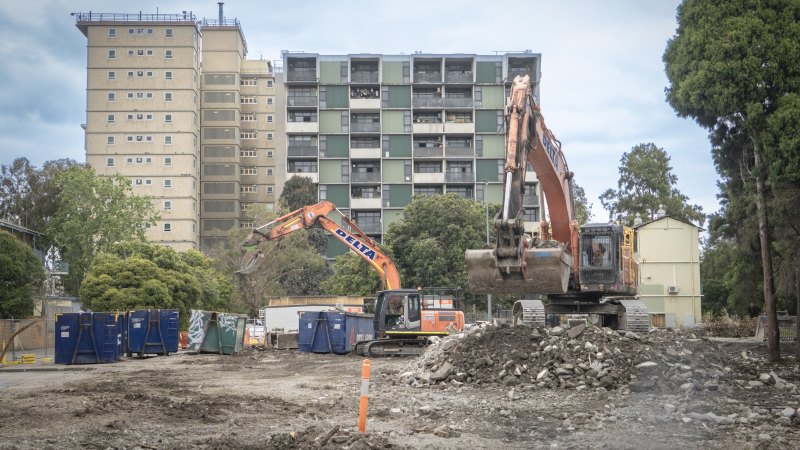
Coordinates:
[503,389]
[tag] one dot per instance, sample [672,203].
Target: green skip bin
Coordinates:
[216,332]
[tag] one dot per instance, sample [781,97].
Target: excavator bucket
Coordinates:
[250,262]
[547,272]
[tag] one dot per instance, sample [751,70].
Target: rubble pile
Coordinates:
[584,357]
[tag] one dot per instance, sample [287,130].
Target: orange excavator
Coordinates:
[585,269]
[404,318]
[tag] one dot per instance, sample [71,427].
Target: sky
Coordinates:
[602,86]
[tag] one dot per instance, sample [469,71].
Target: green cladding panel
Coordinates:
[393,170]
[399,196]
[485,72]
[486,169]
[330,121]
[330,171]
[335,248]
[393,122]
[399,145]
[494,194]
[494,146]
[393,72]
[338,194]
[337,97]
[486,121]
[337,146]
[493,97]
[330,72]
[399,97]
[391,216]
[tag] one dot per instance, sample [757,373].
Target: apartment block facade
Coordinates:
[174,105]
[375,130]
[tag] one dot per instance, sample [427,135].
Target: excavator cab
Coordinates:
[397,312]
[606,259]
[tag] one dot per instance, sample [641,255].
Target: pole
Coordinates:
[486,205]
[362,410]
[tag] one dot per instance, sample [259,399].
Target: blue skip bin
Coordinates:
[333,331]
[89,338]
[152,331]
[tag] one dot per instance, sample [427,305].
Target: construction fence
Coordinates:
[786,324]
[38,338]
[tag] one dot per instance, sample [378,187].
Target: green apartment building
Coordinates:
[375,130]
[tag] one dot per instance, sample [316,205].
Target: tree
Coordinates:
[94,212]
[429,243]
[730,66]
[583,209]
[646,184]
[137,275]
[21,277]
[298,192]
[15,190]
[352,276]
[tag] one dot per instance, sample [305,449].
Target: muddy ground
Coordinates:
[286,399]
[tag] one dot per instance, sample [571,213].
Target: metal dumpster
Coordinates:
[333,331]
[216,332]
[151,331]
[89,338]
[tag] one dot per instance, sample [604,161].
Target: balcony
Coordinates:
[458,102]
[427,102]
[459,127]
[356,127]
[365,177]
[459,152]
[302,127]
[302,101]
[428,128]
[458,77]
[365,153]
[369,228]
[365,203]
[314,176]
[428,152]
[364,77]
[365,103]
[302,75]
[429,178]
[530,200]
[460,177]
[427,77]
[302,150]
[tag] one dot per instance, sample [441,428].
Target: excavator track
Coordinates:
[391,347]
[636,317]
[529,313]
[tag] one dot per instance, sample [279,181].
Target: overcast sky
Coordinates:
[602,89]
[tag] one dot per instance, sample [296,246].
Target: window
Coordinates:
[110,140]
[109,162]
[112,75]
[112,54]
[148,182]
[248,134]
[139,52]
[270,154]
[149,52]
[167,205]
[168,75]
[149,74]
[247,153]
[269,119]
[269,136]
[167,140]
[167,183]
[248,82]
[130,73]
[138,182]
[167,118]
[168,32]
[167,96]
[168,54]
[140,73]
[131,52]
[112,32]
[269,83]
[269,100]
[149,95]
[148,160]
[248,189]
[249,100]
[247,170]
[167,227]
[111,118]
[129,160]
[270,189]
[270,171]
[112,96]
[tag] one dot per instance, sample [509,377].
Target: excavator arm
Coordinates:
[348,233]
[518,264]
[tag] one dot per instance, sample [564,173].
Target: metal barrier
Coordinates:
[786,325]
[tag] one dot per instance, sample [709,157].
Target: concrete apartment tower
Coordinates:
[197,138]
[374,130]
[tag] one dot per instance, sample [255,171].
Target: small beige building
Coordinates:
[668,253]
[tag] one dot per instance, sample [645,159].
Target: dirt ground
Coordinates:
[286,399]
